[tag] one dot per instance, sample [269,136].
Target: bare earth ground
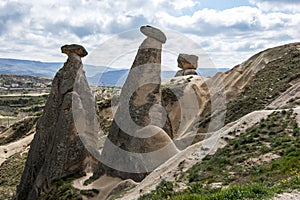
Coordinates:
[22,95]
[288,196]
[15,147]
[292,93]
[105,184]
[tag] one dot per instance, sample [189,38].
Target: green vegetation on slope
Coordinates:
[266,86]
[259,163]
[22,101]
[18,130]
[199,192]
[63,190]
[15,108]
[10,175]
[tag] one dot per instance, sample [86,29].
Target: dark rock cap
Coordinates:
[186,61]
[153,32]
[74,48]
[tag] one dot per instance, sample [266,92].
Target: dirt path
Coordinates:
[14,147]
[22,95]
[78,183]
[105,184]
[292,93]
[288,196]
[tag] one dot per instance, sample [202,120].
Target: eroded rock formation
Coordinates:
[188,64]
[59,145]
[137,144]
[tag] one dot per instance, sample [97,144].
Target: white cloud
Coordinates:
[180,4]
[36,29]
[234,34]
[243,19]
[278,5]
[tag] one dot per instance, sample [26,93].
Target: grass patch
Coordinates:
[266,86]
[63,190]
[18,130]
[22,101]
[243,166]
[10,175]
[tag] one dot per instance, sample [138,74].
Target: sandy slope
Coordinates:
[285,98]
[188,157]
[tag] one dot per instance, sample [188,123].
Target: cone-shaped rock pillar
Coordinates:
[136,144]
[59,147]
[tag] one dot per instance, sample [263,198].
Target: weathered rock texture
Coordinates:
[188,64]
[136,144]
[215,92]
[184,98]
[232,83]
[185,72]
[59,145]
[186,61]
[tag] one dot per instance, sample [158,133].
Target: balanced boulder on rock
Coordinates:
[188,64]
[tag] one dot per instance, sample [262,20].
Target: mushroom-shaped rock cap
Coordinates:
[186,61]
[155,33]
[74,48]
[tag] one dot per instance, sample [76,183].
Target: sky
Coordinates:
[223,33]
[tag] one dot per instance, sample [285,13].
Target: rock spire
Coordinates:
[59,147]
[136,143]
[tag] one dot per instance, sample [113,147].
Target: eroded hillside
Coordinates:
[255,163]
[267,139]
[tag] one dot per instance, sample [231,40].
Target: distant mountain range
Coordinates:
[96,75]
